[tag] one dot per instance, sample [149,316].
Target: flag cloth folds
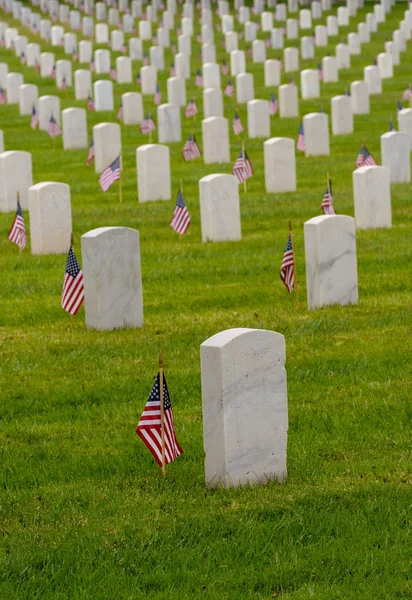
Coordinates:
[90,103]
[229,90]
[147,125]
[242,169]
[73,286]
[191,109]
[407,94]
[181,217]
[110,175]
[320,72]
[63,84]
[365,159]
[237,124]
[300,145]
[3,97]
[191,150]
[157,96]
[52,128]
[225,68]
[149,426]
[399,106]
[120,112]
[327,202]
[17,233]
[287,269]
[391,127]
[34,118]
[90,155]
[199,79]
[273,105]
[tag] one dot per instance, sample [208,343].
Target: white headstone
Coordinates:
[132,108]
[208,53]
[15,178]
[332,26]
[288,100]
[103,95]
[211,76]
[272,72]
[231,41]
[85,51]
[176,91]
[153,172]
[64,72]
[316,128]
[33,54]
[385,65]
[4,69]
[50,218]
[343,56]
[277,40]
[342,115]
[395,153]
[321,36]
[305,19]
[405,123]
[307,47]
[237,62]
[330,69]
[359,93]
[117,39]
[48,106]
[1,141]
[102,33]
[372,197]
[107,145]
[28,94]
[74,128]
[124,69]
[219,208]
[309,81]
[182,64]
[244,406]
[373,78]
[112,278]
[215,132]
[13,83]
[292,29]
[135,49]
[258,51]
[102,61]
[245,88]
[331,269]
[343,16]
[354,44]
[82,84]
[258,118]
[280,165]
[148,79]
[212,103]
[266,19]
[291,57]
[169,125]
[145,30]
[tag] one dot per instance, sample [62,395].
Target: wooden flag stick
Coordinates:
[328,183]
[294,265]
[71,246]
[120,179]
[162,413]
[244,167]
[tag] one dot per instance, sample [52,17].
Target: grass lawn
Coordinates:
[85,513]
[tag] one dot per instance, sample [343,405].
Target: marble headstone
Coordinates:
[153,172]
[50,218]
[215,132]
[107,145]
[219,208]
[280,165]
[395,151]
[15,178]
[316,128]
[372,197]
[74,128]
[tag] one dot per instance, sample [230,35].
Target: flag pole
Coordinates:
[18,200]
[244,167]
[120,178]
[328,183]
[162,413]
[71,246]
[294,265]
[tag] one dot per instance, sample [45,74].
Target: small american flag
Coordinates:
[181,217]
[391,127]
[242,169]
[301,139]
[73,286]
[23,58]
[225,68]
[90,103]
[287,269]
[320,72]
[237,124]
[407,94]
[249,53]
[149,426]
[174,50]
[3,97]
[2,41]
[268,42]
[90,155]
[145,60]
[147,125]
[199,79]
[63,84]
[157,96]
[92,66]
[365,159]
[138,79]
[34,118]
[37,66]
[327,202]
[74,55]
[191,109]
[53,72]
[52,128]
[172,70]
[113,73]
[120,112]
[191,150]
[17,233]
[229,90]
[399,106]
[110,175]
[273,105]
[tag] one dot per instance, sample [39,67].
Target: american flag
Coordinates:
[110,175]
[90,103]
[225,68]
[268,42]
[237,124]
[229,90]
[37,66]
[181,217]
[145,60]
[273,105]
[249,53]
[124,49]
[174,50]
[74,55]
[52,128]
[73,286]
[90,156]
[3,97]
[242,169]
[172,70]
[399,106]
[53,72]
[147,125]
[199,79]
[120,112]
[287,269]
[301,139]
[138,79]
[157,96]
[320,72]
[17,233]
[365,159]
[327,202]
[191,150]
[34,118]
[23,58]
[407,94]
[63,84]
[191,109]
[2,41]
[391,127]
[113,73]
[149,426]
[92,66]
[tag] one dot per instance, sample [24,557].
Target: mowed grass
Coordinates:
[85,512]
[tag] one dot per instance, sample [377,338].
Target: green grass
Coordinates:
[84,510]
